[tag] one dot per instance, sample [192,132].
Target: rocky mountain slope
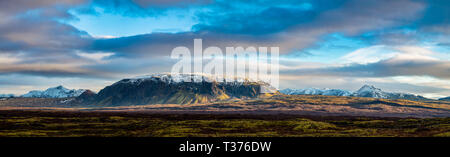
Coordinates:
[173,89]
[445,99]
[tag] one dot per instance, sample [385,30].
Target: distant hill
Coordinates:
[172,89]
[365,91]
[445,99]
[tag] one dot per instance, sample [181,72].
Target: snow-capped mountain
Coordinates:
[364,91]
[370,91]
[186,77]
[55,92]
[337,92]
[7,95]
[373,92]
[316,91]
[173,89]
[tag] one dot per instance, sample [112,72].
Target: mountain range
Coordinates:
[55,92]
[364,91]
[173,89]
[316,91]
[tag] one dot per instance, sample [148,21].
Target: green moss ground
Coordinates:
[218,126]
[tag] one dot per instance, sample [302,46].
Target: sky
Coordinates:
[396,45]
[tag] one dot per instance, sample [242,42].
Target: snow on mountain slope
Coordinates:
[315,91]
[176,78]
[337,92]
[55,92]
[373,92]
[365,91]
[185,77]
[175,89]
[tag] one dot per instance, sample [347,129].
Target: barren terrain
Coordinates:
[278,104]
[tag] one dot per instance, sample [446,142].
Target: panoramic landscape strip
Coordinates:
[260,71]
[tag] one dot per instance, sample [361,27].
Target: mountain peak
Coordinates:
[370,91]
[59,87]
[367,86]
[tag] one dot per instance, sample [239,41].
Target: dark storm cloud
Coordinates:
[31,34]
[32,27]
[40,36]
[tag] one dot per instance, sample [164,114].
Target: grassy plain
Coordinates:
[76,124]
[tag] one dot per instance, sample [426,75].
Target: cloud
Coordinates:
[292,29]
[35,42]
[370,54]
[406,61]
[31,34]
[32,28]
[97,57]
[52,70]
[138,8]
[161,44]
[170,3]
[18,6]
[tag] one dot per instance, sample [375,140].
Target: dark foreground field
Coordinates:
[134,124]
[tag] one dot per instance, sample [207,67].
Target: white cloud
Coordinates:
[378,53]
[8,59]
[370,54]
[414,53]
[98,57]
[424,81]
[104,36]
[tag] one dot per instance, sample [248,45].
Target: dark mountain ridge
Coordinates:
[445,99]
[168,89]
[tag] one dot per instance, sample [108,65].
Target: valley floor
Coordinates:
[277,116]
[316,105]
[14,123]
